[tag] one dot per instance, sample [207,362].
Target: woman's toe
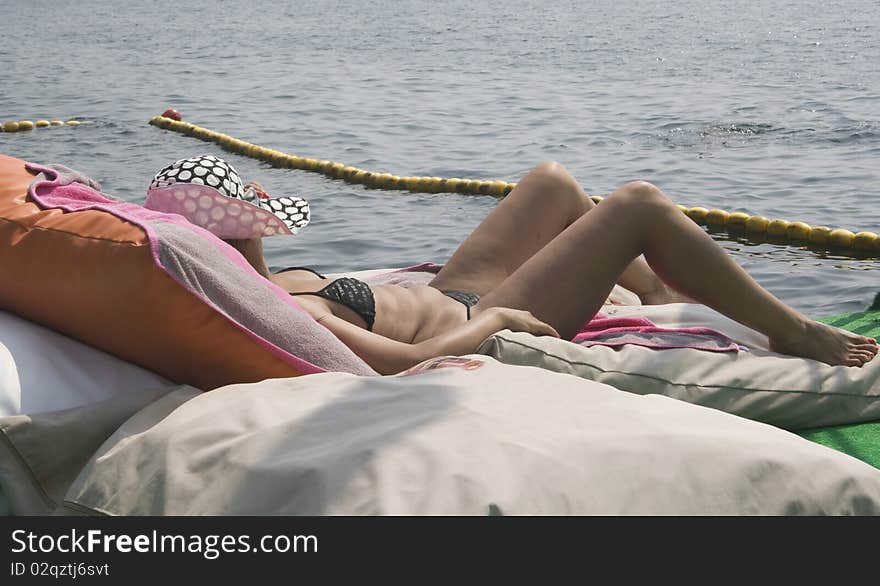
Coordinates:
[871,348]
[853,360]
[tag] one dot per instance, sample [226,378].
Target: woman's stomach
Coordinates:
[414,314]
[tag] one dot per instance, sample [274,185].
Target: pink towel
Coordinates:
[617,331]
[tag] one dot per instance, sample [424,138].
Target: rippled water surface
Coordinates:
[767,107]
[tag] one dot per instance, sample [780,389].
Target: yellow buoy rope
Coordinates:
[23,125]
[336,170]
[774,230]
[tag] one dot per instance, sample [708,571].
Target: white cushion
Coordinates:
[793,393]
[42,370]
[463,436]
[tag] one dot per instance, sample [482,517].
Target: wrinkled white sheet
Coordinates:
[472,437]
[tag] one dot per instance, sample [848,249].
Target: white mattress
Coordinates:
[42,370]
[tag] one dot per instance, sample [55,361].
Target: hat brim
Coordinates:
[225,217]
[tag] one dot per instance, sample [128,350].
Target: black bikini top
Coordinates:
[350,292]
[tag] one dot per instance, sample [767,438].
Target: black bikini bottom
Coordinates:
[464,297]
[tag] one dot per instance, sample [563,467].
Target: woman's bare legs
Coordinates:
[567,280]
[543,204]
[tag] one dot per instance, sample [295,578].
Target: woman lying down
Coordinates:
[542,280]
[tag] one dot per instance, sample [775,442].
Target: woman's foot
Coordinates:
[826,344]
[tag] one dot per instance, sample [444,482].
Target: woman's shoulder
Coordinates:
[301,272]
[297,280]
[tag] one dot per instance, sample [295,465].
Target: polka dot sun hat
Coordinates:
[208,192]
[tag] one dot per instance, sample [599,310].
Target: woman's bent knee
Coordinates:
[550,168]
[641,193]
[552,172]
[551,180]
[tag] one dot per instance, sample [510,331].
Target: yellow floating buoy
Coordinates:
[482,188]
[716,217]
[26,125]
[414,183]
[757,224]
[56,123]
[425,184]
[453,184]
[737,220]
[335,170]
[497,188]
[73,122]
[778,228]
[281,159]
[865,240]
[798,231]
[841,237]
[10,126]
[698,214]
[42,123]
[473,186]
[819,234]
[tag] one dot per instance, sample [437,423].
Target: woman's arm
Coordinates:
[388,356]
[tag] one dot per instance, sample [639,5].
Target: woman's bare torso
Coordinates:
[406,314]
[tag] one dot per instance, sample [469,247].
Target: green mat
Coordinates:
[861,440]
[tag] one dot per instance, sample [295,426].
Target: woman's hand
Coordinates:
[466,338]
[519,320]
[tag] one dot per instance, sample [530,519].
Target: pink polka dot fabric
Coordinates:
[208,192]
[223,217]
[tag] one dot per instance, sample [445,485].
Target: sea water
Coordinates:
[766,107]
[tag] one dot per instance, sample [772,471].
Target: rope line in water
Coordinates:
[334,169]
[23,125]
[736,223]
